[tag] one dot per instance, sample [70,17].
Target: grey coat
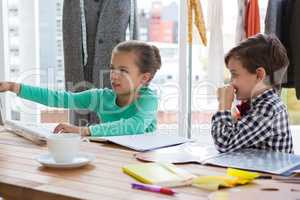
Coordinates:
[294,48]
[106,23]
[274,16]
[291,40]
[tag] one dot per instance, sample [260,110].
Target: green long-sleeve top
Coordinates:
[136,118]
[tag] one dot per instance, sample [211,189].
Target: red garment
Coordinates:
[243,109]
[252,21]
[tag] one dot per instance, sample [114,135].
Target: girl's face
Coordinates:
[125,75]
[244,82]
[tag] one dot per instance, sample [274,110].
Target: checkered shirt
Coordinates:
[265,126]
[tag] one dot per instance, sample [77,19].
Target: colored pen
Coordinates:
[153,188]
[264,177]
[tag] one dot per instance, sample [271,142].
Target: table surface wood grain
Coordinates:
[22,177]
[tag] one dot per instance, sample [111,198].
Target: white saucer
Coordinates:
[81,160]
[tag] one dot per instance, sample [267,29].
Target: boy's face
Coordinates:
[125,75]
[243,81]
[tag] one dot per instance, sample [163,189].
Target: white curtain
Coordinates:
[215,48]
[240,33]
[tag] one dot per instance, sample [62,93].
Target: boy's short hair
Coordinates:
[262,51]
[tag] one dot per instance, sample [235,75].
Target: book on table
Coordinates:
[162,174]
[249,159]
[144,142]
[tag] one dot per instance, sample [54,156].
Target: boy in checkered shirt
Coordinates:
[257,66]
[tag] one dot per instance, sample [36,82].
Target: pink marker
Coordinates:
[153,188]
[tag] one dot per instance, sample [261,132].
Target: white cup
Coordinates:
[64,147]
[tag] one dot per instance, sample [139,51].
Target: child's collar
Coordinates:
[265,94]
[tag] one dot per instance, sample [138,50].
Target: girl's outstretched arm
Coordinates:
[88,99]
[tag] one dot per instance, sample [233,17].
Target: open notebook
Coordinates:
[36,132]
[144,142]
[248,159]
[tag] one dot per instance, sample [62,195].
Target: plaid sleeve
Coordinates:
[229,135]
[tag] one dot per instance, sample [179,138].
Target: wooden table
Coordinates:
[22,177]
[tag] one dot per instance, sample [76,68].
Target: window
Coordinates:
[31,42]
[13,11]
[13,31]
[14,51]
[34,50]
[158,24]
[204,102]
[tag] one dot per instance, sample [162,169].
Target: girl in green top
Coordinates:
[129,108]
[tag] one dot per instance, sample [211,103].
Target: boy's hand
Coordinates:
[68,128]
[225,97]
[9,86]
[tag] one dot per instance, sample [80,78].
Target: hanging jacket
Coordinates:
[274,17]
[294,47]
[105,22]
[252,18]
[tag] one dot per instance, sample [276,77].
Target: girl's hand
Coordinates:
[68,128]
[225,97]
[9,86]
